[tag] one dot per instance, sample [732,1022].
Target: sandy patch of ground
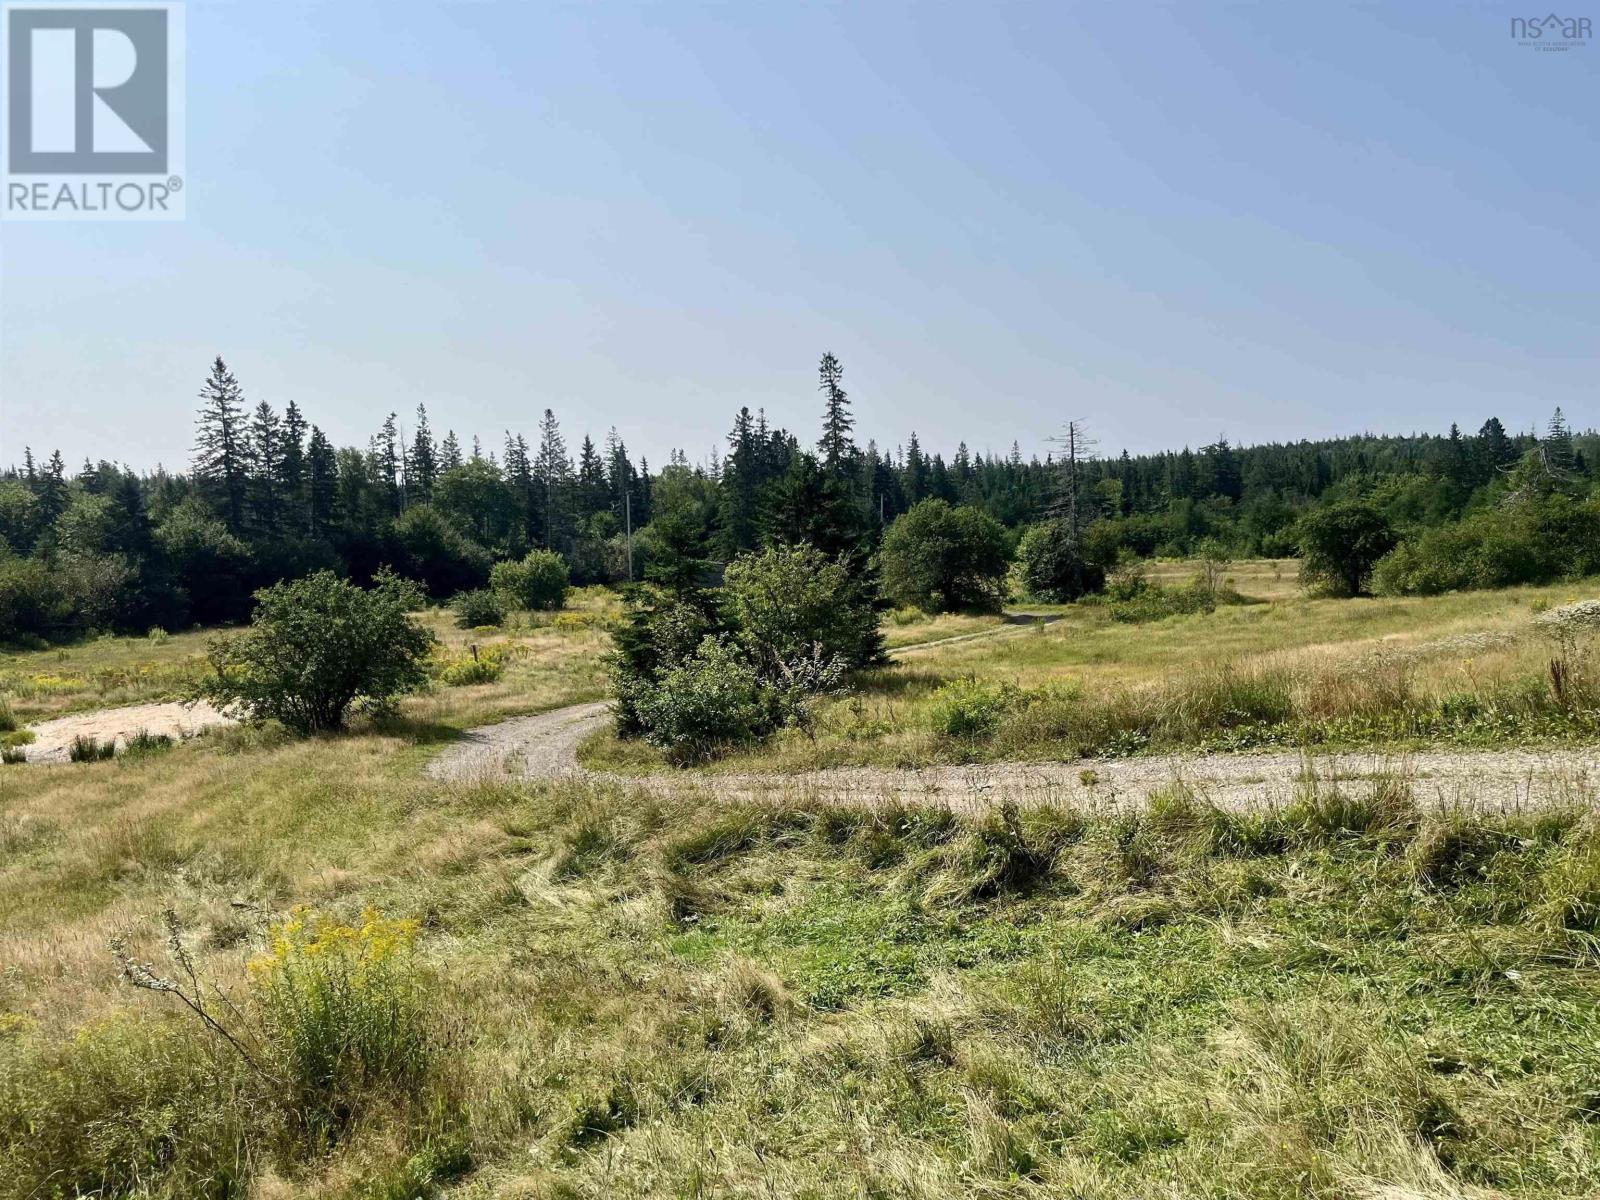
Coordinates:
[52,739]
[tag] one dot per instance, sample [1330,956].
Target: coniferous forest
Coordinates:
[268,497]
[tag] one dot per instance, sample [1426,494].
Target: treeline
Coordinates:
[269,497]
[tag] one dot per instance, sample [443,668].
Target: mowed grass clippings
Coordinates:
[631,996]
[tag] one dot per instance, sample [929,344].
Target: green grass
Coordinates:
[1468,669]
[614,993]
[644,996]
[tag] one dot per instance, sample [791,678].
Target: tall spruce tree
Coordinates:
[1558,451]
[449,452]
[322,482]
[292,469]
[422,460]
[386,465]
[219,451]
[836,447]
[552,471]
[266,470]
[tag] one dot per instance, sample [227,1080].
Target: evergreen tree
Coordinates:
[835,446]
[386,465]
[593,497]
[266,470]
[51,489]
[422,460]
[527,509]
[1495,451]
[292,468]
[738,516]
[449,452]
[915,475]
[322,482]
[1558,451]
[219,465]
[552,471]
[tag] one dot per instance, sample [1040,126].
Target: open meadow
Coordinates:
[407,986]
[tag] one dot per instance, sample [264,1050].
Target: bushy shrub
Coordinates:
[477,609]
[485,667]
[144,744]
[1054,565]
[539,582]
[437,552]
[1340,544]
[1534,541]
[32,599]
[942,558]
[658,633]
[8,719]
[784,602]
[970,709]
[706,702]
[688,683]
[319,646]
[1132,599]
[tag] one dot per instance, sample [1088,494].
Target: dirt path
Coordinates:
[545,747]
[1016,622]
[53,739]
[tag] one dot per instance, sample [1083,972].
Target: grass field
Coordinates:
[580,990]
[1470,668]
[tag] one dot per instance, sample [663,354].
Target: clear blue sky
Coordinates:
[1266,220]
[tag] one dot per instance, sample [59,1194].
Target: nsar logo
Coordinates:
[1552,32]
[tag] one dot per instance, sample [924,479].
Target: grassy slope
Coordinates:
[647,997]
[643,997]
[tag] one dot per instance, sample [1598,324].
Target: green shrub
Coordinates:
[478,609]
[1157,603]
[944,559]
[12,754]
[786,601]
[658,633]
[318,647]
[438,553]
[1534,541]
[8,719]
[712,700]
[539,582]
[486,667]
[1054,564]
[1340,544]
[970,709]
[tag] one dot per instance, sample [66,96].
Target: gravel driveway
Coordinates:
[545,747]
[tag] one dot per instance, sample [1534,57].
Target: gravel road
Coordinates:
[545,747]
